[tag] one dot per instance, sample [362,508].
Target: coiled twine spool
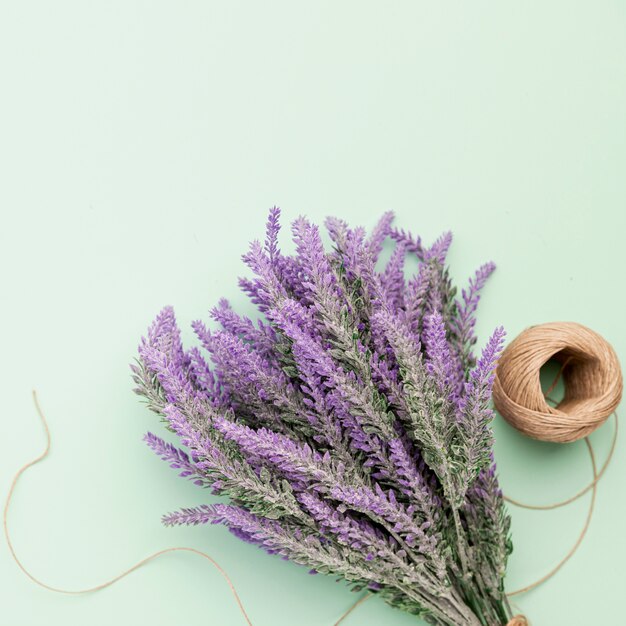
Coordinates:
[591,375]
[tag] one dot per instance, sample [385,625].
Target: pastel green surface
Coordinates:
[141,144]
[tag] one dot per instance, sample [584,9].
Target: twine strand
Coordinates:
[360,601]
[581,536]
[579,494]
[113,580]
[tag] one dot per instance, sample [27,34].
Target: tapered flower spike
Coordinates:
[379,234]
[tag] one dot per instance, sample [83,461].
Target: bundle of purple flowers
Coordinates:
[350,429]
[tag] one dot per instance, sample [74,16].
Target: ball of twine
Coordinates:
[591,374]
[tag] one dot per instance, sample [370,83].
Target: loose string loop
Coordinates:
[125,573]
[581,536]
[583,491]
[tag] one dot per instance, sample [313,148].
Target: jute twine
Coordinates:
[593,389]
[591,373]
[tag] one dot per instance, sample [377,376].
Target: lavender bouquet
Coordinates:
[350,429]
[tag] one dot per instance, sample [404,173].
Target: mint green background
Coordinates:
[141,144]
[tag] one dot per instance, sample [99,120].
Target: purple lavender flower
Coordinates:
[462,324]
[349,428]
[177,459]
[379,234]
[438,352]
[476,412]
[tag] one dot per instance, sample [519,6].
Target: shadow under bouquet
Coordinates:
[350,426]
